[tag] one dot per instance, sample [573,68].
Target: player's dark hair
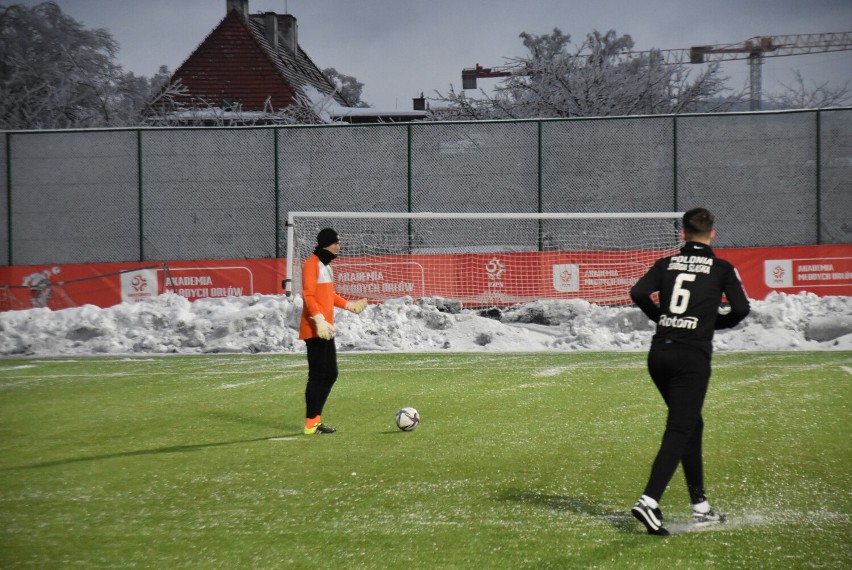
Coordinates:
[698,221]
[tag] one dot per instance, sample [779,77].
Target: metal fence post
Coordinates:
[277,195]
[674,165]
[818,148]
[9,197]
[540,198]
[409,185]
[139,187]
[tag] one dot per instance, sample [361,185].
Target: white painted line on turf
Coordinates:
[289,438]
[846,369]
[206,375]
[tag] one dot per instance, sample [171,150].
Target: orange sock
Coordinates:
[311,422]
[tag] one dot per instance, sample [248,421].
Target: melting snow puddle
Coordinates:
[738,521]
[684,527]
[556,371]
[238,384]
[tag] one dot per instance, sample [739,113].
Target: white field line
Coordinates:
[514,366]
[207,374]
[298,368]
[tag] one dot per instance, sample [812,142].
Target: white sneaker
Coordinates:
[708,518]
[651,518]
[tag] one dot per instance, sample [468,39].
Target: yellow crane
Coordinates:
[753,49]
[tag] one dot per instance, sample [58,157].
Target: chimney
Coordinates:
[419,103]
[289,31]
[270,29]
[241,6]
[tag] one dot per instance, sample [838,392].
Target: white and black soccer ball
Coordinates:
[407,419]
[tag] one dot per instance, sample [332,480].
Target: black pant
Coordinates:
[322,374]
[681,374]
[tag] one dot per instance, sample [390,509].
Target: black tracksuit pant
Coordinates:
[682,375]
[322,374]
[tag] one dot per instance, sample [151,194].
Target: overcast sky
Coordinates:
[400,48]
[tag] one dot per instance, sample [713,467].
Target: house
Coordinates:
[251,70]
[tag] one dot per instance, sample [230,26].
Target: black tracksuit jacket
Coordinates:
[691,285]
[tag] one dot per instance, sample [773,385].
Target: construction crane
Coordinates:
[753,49]
[471,74]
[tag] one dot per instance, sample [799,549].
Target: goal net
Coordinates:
[485,259]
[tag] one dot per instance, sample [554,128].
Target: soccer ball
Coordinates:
[407,419]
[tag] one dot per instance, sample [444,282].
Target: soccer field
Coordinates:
[521,461]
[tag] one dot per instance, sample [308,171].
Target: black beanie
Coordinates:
[327,237]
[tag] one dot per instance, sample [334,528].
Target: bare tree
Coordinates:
[797,95]
[600,77]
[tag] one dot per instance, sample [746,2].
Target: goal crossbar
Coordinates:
[484,216]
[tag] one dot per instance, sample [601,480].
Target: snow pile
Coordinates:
[171,324]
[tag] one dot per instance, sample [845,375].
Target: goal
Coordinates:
[484,259]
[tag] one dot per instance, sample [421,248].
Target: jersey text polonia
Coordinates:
[691,263]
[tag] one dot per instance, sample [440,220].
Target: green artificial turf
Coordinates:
[521,461]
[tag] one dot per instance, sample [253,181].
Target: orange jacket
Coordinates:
[318,295]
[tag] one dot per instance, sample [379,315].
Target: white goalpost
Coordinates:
[484,259]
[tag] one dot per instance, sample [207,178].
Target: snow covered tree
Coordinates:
[133,93]
[600,77]
[55,74]
[348,86]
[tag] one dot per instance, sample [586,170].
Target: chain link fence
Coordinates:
[773,179]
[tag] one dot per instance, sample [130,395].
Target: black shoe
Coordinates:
[651,518]
[322,428]
[709,518]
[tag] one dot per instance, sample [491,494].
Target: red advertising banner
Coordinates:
[107,284]
[825,270]
[473,278]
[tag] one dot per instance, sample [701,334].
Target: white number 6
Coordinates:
[680,295]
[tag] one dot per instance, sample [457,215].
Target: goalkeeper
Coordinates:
[317,327]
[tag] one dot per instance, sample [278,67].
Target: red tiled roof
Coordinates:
[235,63]
[298,68]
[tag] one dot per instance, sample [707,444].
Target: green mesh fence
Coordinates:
[757,173]
[343,168]
[4,200]
[474,167]
[223,193]
[835,193]
[74,197]
[608,165]
[208,194]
